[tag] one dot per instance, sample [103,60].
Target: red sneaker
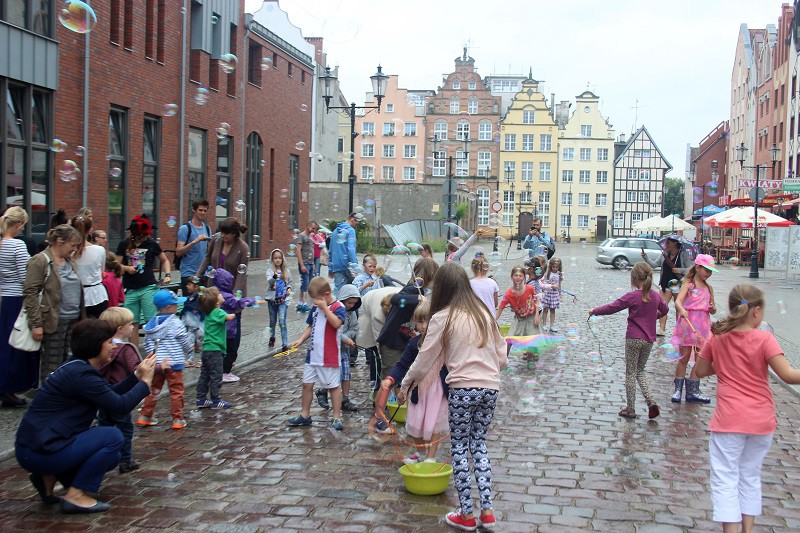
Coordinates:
[488,521]
[459,522]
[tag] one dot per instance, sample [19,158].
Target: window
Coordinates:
[583,198]
[619,220]
[254,63]
[527,142]
[149,28]
[630,196]
[545,142]
[566,221]
[440,131]
[544,171]
[566,198]
[368,128]
[117,173]
[633,173]
[484,163]
[508,208]
[462,164]
[586,131]
[462,131]
[472,85]
[644,175]
[583,221]
[388,150]
[527,116]
[388,129]
[454,106]
[544,208]
[636,217]
[410,129]
[367,150]
[387,173]
[602,176]
[340,145]
[440,163]
[602,154]
[472,106]
[340,171]
[114,21]
[510,171]
[367,172]
[568,154]
[390,108]
[485,131]
[525,197]
[586,154]
[483,206]
[409,151]
[456,85]
[409,173]
[600,200]
[584,176]
[152,149]
[567,176]
[224,182]
[644,197]
[510,142]
[290,69]
[527,171]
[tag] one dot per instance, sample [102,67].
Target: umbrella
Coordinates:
[673,223]
[743,218]
[648,224]
[709,210]
[685,244]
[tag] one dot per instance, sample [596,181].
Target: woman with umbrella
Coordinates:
[676,258]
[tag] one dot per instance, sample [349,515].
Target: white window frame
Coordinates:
[528,116]
[602,176]
[410,129]
[633,173]
[566,198]
[644,197]
[440,130]
[387,173]
[567,176]
[565,221]
[409,151]
[527,171]
[568,154]
[368,128]
[636,217]
[545,171]
[485,131]
[508,208]
[390,108]
[510,171]
[583,198]
[544,208]
[583,221]
[602,154]
[462,130]
[472,85]
[601,200]
[619,220]
[439,164]
[389,129]
[409,173]
[525,197]
[584,176]
[586,131]
[528,142]
[545,142]
[630,197]
[644,175]
[455,106]
[483,206]
[368,172]
[456,85]
[510,142]
[484,163]
[585,154]
[462,164]
[472,106]
[368,150]
[388,150]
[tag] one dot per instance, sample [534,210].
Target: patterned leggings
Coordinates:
[471,412]
[636,353]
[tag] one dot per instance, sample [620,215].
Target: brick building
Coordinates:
[242,128]
[707,158]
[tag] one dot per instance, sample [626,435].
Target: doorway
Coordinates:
[252,193]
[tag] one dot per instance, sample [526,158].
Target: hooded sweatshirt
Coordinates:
[342,250]
[277,287]
[124,360]
[350,327]
[173,340]
[223,280]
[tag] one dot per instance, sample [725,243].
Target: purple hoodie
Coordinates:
[223,280]
[642,316]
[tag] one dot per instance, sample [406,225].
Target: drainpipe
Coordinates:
[85,162]
[246,50]
[182,185]
[314,119]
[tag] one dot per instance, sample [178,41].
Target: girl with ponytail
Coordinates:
[744,419]
[644,306]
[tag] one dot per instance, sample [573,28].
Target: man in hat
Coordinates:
[137,255]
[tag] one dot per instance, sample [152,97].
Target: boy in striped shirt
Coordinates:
[323,358]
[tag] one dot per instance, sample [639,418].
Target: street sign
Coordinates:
[449,187]
[791,185]
[497,207]
[757,194]
[767,184]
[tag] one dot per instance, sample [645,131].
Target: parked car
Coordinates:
[619,251]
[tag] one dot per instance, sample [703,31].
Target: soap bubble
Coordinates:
[561,354]
[210,272]
[734,263]
[303,107]
[239,205]
[713,189]
[697,195]
[593,356]
[618,293]
[402,303]
[341,237]
[170,110]
[668,352]
[472,196]
[79,151]
[238,294]
[674,285]
[782,307]
[256,238]
[300,146]
[369,207]
[316,205]
[419,282]
[263,163]
[58,146]
[115,172]
[201,96]
[69,171]
[292,250]
[172,222]
[767,327]
[266,63]
[573,332]
[214,19]
[242,268]
[77,16]
[228,62]
[335,208]
[495,259]
[222,130]
[496,136]
[284,193]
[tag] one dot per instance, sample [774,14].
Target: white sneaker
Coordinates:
[230,378]
[661,333]
[554,329]
[429,460]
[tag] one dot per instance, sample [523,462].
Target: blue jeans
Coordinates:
[81,463]
[277,313]
[317,267]
[305,278]
[343,277]
[125,425]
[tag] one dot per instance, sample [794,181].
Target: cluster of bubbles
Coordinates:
[58,146]
[69,171]
[573,332]
[77,16]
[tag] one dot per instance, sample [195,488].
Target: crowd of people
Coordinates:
[432,342]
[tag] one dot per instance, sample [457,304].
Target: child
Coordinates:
[694,307]
[744,419]
[166,335]
[522,299]
[323,358]
[551,292]
[124,360]
[193,318]
[384,279]
[426,418]
[644,306]
[463,336]
[214,349]
[486,288]
[535,268]
[279,283]
[223,280]
[112,281]
[350,297]
[367,280]
[456,248]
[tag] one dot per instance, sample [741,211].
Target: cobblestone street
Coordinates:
[563,460]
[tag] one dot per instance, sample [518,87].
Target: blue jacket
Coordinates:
[173,340]
[342,250]
[67,404]
[400,369]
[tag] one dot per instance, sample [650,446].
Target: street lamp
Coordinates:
[379,83]
[774,156]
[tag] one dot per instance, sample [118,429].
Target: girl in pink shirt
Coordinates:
[744,420]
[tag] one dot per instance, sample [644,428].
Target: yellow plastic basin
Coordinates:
[391,407]
[426,479]
[504,329]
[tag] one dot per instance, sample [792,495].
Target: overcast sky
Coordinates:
[674,56]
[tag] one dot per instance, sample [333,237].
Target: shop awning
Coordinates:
[769,200]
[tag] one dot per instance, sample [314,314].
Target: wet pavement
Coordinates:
[562,458]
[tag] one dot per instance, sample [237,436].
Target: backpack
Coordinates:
[176,263]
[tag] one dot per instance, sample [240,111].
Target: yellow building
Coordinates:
[585,173]
[528,163]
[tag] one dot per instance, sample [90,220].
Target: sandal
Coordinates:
[627,413]
[653,411]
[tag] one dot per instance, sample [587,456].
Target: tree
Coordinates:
[673,197]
